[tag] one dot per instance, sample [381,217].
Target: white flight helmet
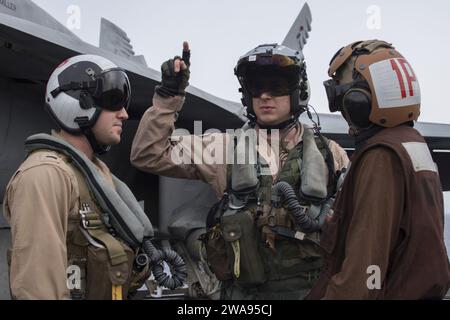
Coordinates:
[80,88]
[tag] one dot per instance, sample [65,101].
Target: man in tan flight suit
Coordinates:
[42,199]
[274,97]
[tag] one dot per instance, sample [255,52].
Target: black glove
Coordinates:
[174,83]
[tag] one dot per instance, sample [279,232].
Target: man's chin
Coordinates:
[269,122]
[115,142]
[111,142]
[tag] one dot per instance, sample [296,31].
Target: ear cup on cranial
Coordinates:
[357,104]
[86,101]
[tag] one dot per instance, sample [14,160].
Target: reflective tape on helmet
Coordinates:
[395,83]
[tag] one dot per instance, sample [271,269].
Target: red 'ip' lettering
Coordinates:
[400,78]
[410,78]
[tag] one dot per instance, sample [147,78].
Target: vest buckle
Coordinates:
[89,219]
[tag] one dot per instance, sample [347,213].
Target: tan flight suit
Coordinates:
[40,200]
[156,152]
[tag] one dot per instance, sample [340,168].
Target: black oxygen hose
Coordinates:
[283,190]
[173,259]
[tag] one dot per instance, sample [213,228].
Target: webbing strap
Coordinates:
[372,45]
[237,258]
[116,293]
[275,220]
[92,223]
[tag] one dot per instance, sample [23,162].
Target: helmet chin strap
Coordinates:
[98,148]
[283,125]
[86,129]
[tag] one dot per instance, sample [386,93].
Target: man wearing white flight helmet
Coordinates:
[64,245]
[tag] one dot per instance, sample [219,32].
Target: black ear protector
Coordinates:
[356,105]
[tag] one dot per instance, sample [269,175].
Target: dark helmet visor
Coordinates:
[112,90]
[274,85]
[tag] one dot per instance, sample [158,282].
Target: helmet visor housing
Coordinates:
[272,60]
[253,63]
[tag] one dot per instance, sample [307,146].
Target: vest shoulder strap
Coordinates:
[322,145]
[92,223]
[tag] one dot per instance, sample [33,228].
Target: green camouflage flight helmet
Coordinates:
[276,69]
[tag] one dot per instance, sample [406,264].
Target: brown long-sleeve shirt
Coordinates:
[386,238]
[378,204]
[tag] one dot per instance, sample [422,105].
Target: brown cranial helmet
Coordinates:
[373,83]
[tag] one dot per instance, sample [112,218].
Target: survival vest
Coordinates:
[248,241]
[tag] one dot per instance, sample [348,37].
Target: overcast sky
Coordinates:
[220,32]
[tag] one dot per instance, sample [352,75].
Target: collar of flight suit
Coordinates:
[278,146]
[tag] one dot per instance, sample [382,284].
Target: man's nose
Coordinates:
[265,95]
[123,114]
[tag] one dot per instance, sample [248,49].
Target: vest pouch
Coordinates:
[242,237]
[101,275]
[219,254]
